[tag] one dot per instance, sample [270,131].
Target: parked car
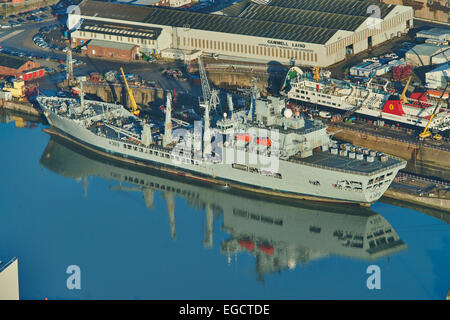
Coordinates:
[37,19]
[5,26]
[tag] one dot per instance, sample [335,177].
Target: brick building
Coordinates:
[20,68]
[112,50]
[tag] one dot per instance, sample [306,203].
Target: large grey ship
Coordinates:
[265,148]
[280,234]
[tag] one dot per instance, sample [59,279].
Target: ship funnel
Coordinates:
[230,102]
[167,139]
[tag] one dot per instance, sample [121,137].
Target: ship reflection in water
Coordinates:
[280,235]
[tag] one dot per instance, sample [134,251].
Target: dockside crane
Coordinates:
[210,96]
[134,108]
[426,132]
[403,95]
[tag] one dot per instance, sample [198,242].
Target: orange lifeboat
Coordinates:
[264,142]
[244,137]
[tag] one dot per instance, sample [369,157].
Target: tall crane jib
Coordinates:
[426,132]
[134,108]
[209,96]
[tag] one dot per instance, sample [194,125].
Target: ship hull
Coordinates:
[375,111]
[295,182]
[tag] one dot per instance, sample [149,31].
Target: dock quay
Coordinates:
[9,280]
[22,107]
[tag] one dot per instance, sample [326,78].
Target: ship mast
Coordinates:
[167,139]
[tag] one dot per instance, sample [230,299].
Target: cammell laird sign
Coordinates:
[286,44]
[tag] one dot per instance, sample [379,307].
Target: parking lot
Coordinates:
[29,17]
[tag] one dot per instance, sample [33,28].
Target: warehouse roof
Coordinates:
[119,29]
[113,11]
[208,22]
[426,49]
[12,61]
[303,17]
[443,33]
[111,44]
[349,7]
[236,8]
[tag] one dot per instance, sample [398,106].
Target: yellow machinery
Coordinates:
[403,96]
[316,74]
[17,89]
[135,110]
[426,132]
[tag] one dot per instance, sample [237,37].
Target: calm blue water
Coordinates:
[125,250]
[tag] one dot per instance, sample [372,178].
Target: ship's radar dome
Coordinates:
[287,113]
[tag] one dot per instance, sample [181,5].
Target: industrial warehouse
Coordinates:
[305,33]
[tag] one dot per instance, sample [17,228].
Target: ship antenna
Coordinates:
[81,94]
[253,98]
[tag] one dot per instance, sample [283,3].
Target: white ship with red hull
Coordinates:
[368,100]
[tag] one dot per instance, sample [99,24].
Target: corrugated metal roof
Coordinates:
[349,7]
[209,22]
[113,10]
[303,17]
[267,29]
[426,49]
[236,8]
[435,32]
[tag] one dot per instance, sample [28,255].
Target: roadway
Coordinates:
[19,39]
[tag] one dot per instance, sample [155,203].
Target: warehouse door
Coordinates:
[369,42]
[349,50]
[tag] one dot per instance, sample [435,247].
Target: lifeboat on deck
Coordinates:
[244,137]
[264,142]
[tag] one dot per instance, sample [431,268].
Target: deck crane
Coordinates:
[209,96]
[426,132]
[403,96]
[134,108]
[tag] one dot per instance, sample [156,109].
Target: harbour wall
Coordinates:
[9,280]
[25,108]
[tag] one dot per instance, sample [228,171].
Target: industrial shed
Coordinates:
[306,33]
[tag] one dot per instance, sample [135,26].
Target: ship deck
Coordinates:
[342,163]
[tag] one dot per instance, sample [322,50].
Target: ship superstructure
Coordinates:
[266,149]
[366,99]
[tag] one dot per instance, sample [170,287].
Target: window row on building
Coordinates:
[108,37]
